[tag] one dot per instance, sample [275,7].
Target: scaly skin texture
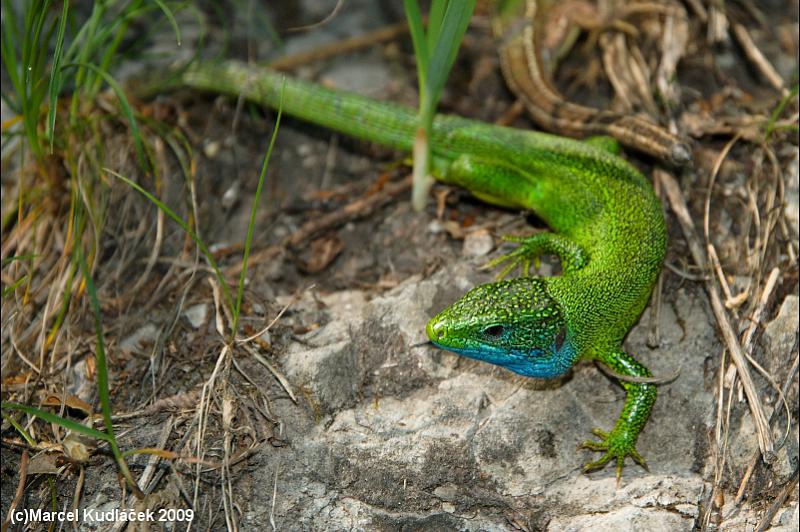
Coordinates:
[608,231]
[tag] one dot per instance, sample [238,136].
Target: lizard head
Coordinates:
[515,324]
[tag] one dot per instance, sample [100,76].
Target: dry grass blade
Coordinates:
[350,44]
[758,60]
[23,478]
[269,326]
[673,43]
[678,204]
[284,382]
[627,72]
[787,490]
[202,420]
[330,16]
[782,391]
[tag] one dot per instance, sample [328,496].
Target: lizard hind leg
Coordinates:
[620,442]
[530,248]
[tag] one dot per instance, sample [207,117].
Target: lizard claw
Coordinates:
[614,445]
[522,256]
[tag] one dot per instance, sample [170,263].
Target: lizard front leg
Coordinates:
[639,400]
[506,186]
[572,256]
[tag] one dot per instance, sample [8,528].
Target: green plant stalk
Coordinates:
[435,52]
[10,289]
[418,39]
[19,428]
[178,220]
[102,377]
[111,49]
[421,150]
[123,101]
[252,223]
[51,483]
[102,367]
[49,417]
[171,18]
[54,89]
[29,67]
[78,224]
[64,308]
[81,46]
[776,113]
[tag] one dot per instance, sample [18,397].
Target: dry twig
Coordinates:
[678,204]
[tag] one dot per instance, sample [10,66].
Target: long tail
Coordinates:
[354,115]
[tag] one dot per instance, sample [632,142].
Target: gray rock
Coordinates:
[142,338]
[780,337]
[780,334]
[624,519]
[420,438]
[324,361]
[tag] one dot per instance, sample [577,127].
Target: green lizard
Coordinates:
[608,232]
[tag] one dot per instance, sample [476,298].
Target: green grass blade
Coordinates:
[127,110]
[102,377]
[58,420]
[418,39]
[178,220]
[454,25]
[8,260]
[100,354]
[252,223]
[9,45]
[776,113]
[436,52]
[116,29]
[20,429]
[171,18]
[31,49]
[10,289]
[54,88]
[435,18]
[80,52]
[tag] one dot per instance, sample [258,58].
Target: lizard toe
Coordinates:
[613,445]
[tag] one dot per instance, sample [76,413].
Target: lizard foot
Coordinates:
[528,251]
[614,444]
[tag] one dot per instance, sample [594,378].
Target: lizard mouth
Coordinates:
[438,332]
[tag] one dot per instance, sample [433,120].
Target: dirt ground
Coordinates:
[335,418]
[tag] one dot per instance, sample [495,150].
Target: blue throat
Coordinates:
[531,363]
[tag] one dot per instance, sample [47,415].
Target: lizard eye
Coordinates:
[494,331]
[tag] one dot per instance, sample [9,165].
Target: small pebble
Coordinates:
[211,149]
[477,244]
[196,315]
[435,227]
[231,196]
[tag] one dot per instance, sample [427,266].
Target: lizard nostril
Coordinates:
[436,330]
